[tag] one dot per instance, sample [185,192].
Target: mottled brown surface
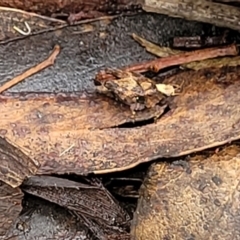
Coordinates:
[205,116]
[14,168]
[198,199]
[54,6]
[82,55]
[46,112]
[10,206]
[132,89]
[15,165]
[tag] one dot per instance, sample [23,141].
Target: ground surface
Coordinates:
[81,57]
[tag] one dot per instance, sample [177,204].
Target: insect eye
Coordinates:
[140,99]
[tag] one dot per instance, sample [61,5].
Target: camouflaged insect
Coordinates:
[132,89]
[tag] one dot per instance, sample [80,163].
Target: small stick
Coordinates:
[186,57]
[165,52]
[46,63]
[178,59]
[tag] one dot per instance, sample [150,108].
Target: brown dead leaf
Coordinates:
[10,206]
[79,198]
[15,165]
[203,115]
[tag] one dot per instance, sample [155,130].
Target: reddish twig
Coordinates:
[198,55]
[46,63]
[178,59]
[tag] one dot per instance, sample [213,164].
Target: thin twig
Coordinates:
[183,58]
[46,63]
[178,59]
[198,55]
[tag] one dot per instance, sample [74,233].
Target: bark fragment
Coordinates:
[49,111]
[132,89]
[199,41]
[202,10]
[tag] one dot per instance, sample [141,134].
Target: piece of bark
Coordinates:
[132,89]
[198,41]
[199,120]
[93,203]
[47,7]
[201,10]
[10,206]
